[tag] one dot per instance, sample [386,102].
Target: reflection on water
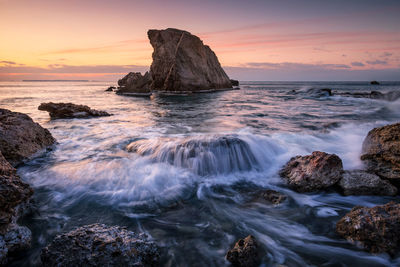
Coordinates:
[197,160]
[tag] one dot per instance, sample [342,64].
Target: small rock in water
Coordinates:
[99,245]
[234,82]
[313,172]
[377,229]
[381,151]
[69,110]
[374,83]
[272,196]
[359,182]
[245,253]
[110,89]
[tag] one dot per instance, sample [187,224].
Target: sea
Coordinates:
[198,161]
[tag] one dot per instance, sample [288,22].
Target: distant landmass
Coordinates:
[55,80]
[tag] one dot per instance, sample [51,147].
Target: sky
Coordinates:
[255,40]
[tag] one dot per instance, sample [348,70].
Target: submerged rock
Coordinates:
[377,229]
[69,110]
[135,83]
[313,172]
[245,253]
[182,63]
[363,183]
[21,137]
[381,151]
[99,245]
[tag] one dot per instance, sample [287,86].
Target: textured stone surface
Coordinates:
[377,229]
[381,151]
[21,137]
[313,172]
[272,196]
[359,182]
[99,245]
[182,63]
[245,253]
[135,83]
[69,110]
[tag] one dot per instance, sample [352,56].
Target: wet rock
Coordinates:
[374,83]
[99,245]
[389,96]
[245,253]
[182,63]
[359,182]
[135,83]
[377,229]
[313,172]
[21,137]
[110,89]
[272,196]
[381,151]
[69,110]
[234,82]
[319,92]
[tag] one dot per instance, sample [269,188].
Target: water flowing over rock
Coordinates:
[69,110]
[245,253]
[377,229]
[362,183]
[21,137]
[135,83]
[313,172]
[182,63]
[381,151]
[99,245]
[202,155]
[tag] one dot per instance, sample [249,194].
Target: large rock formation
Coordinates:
[381,151]
[182,63]
[13,194]
[69,110]
[20,137]
[359,182]
[99,245]
[313,172]
[245,253]
[134,83]
[377,229]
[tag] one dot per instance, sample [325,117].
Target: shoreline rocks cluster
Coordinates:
[182,64]
[326,92]
[70,110]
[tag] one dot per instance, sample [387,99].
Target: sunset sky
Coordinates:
[254,40]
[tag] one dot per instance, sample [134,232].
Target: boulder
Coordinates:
[359,182]
[100,245]
[381,151]
[69,110]
[182,63]
[21,137]
[135,83]
[374,83]
[313,172]
[246,253]
[234,82]
[377,229]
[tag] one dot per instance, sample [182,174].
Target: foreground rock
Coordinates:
[21,137]
[182,63]
[13,194]
[245,253]
[69,110]
[313,172]
[381,151]
[135,83]
[362,183]
[377,229]
[99,245]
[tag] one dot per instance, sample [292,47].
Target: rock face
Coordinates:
[13,193]
[362,183]
[135,83]
[69,110]
[377,229]
[313,172]
[245,253]
[381,151]
[99,245]
[20,137]
[182,63]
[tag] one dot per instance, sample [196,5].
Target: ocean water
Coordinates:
[183,169]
